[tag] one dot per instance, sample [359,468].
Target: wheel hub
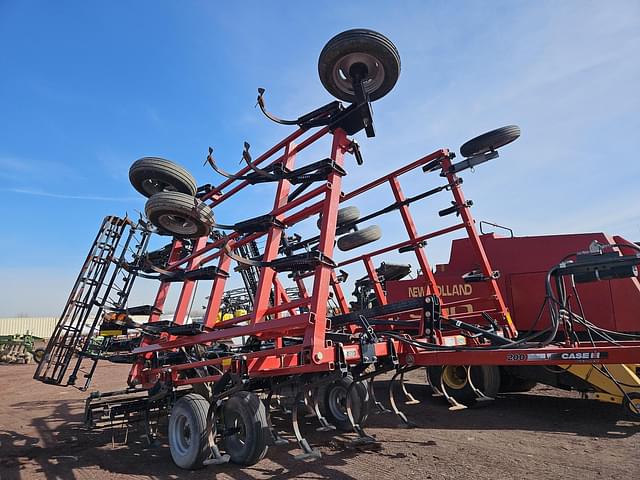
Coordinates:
[181,435]
[338,402]
[152,186]
[454,376]
[177,224]
[364,65]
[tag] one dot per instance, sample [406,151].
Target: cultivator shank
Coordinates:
[297,341]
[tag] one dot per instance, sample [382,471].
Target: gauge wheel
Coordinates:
[369,52]
[151,175]
[188,439]
[335,403]
[359,238]
[490,141]
[345,215]
[179,214]
[245,421]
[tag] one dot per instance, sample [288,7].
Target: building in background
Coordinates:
[38,326]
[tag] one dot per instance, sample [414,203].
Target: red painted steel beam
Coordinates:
[315,334]
[600,354]
[477,246]
[283,326]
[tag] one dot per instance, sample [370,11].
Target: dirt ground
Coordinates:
[542,434]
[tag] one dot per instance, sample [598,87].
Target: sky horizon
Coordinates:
[88,88]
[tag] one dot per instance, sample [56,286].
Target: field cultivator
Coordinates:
[300,345]
[20,349]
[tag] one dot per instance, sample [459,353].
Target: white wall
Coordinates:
[38,326]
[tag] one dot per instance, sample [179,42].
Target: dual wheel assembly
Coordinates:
[243,424]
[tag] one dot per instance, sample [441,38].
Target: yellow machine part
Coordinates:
[239,312]
[606,389]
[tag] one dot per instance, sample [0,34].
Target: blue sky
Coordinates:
[86,88]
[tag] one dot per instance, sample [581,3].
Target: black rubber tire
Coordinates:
[38,355]
[189,416]
[510,383]
[359,45]
[358,239]
[345,215]
[151,175]
[490,141]
[246,411]
[334,403]
[179,214]
[486,378]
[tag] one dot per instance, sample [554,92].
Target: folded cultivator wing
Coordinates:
[291,337]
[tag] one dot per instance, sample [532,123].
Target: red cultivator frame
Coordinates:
[313,350]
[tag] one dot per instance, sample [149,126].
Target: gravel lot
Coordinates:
[546,433]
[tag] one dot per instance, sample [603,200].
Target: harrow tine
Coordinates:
[480,396]
[276,439]
[308,452]
[392,401]
[409,399]
[377,403]
[363,437]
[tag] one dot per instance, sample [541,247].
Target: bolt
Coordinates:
[318,356]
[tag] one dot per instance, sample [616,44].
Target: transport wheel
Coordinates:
[359,238]
[345,215]
[151,175]
[366,51]
[486,378]
[335,403]
[245,423]
[179,214]
[490,141]
[512,383]
[188,439]
[631,404]
[38,355]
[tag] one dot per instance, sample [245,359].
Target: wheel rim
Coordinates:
[235,422]
[373,81]
[152,186]
[178,224]
[454,376]
[633,403]
[180,435]
[338,402]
